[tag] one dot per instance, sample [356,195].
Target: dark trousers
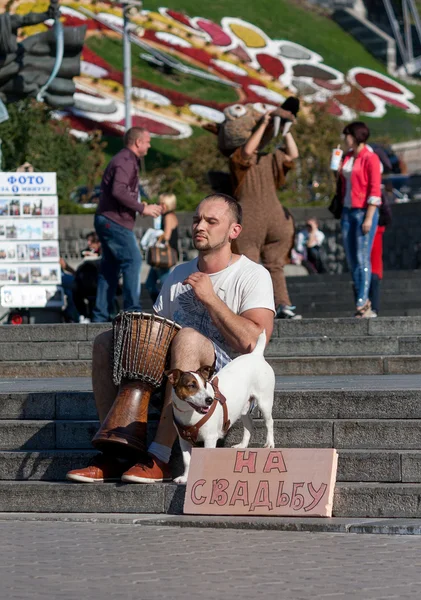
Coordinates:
[315,259]
[120,254]
[374,294]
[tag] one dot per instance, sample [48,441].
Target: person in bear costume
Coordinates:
[268,228]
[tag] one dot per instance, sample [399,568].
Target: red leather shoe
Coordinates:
[154,471]
[100,469]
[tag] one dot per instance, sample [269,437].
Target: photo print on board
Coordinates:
[36,275]
[49,251]
[14,208]
[49,230]
[22,251]
[49,207]
[11,232]
[11,251]
[4,208]
[34,251]
[12,275]
[23,274]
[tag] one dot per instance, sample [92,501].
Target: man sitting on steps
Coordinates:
[222,301]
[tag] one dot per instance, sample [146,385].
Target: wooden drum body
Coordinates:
[141,344]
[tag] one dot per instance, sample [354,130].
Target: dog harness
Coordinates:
[189,433]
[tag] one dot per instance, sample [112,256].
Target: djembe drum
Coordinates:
[141,344]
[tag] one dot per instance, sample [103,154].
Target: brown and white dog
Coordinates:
[204,408]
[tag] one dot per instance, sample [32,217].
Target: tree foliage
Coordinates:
[32,135]
[188,177]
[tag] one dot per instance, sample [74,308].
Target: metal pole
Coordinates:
[408,31]
[127,70]
[416,15]
[396,32]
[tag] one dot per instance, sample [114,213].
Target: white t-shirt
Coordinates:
[347,173]
[242,286]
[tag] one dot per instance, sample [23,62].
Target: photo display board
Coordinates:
[29,249]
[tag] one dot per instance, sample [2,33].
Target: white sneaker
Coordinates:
[286,312]
[83,319]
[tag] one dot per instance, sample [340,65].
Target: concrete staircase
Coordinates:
[375,423]
[309,347]
[363,402]
[323,296]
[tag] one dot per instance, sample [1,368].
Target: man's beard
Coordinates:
[204,245]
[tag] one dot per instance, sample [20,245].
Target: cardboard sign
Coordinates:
[261,481]
[28,183]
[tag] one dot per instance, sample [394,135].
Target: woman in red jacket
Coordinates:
[359,185]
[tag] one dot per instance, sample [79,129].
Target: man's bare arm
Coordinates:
[240,331]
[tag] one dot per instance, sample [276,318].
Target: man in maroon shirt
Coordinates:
[114,222]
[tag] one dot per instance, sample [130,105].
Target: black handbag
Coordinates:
[161,256]
[335,207]
[385,212]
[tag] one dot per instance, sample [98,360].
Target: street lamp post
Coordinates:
[129,6]
[127,68]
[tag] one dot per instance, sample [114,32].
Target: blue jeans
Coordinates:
[154,276]
[120,253]
[358,249]
[67,281]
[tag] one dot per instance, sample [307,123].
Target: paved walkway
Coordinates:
[69,561]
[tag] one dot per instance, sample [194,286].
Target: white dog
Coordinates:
[204,409]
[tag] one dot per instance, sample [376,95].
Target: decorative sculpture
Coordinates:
[268,227]
[42,65]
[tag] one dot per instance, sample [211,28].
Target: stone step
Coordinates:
[283,366]
[335,346]
[340,306]
[288,404]
[344,295]
[329,277]
[346,365]
[371,500]
[354,433]
[347,327]
[354,465]
[37,435]
[45,351]
[58,352]
[308,306]
[80,336]
[48,405]
[389,500]
[325,346]
[60,332]
[342,404]
[45,368]
[389,275]
[313,285]
[327,312]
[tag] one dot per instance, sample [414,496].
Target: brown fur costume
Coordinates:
[268,228]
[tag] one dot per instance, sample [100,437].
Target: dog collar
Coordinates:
[190,433]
